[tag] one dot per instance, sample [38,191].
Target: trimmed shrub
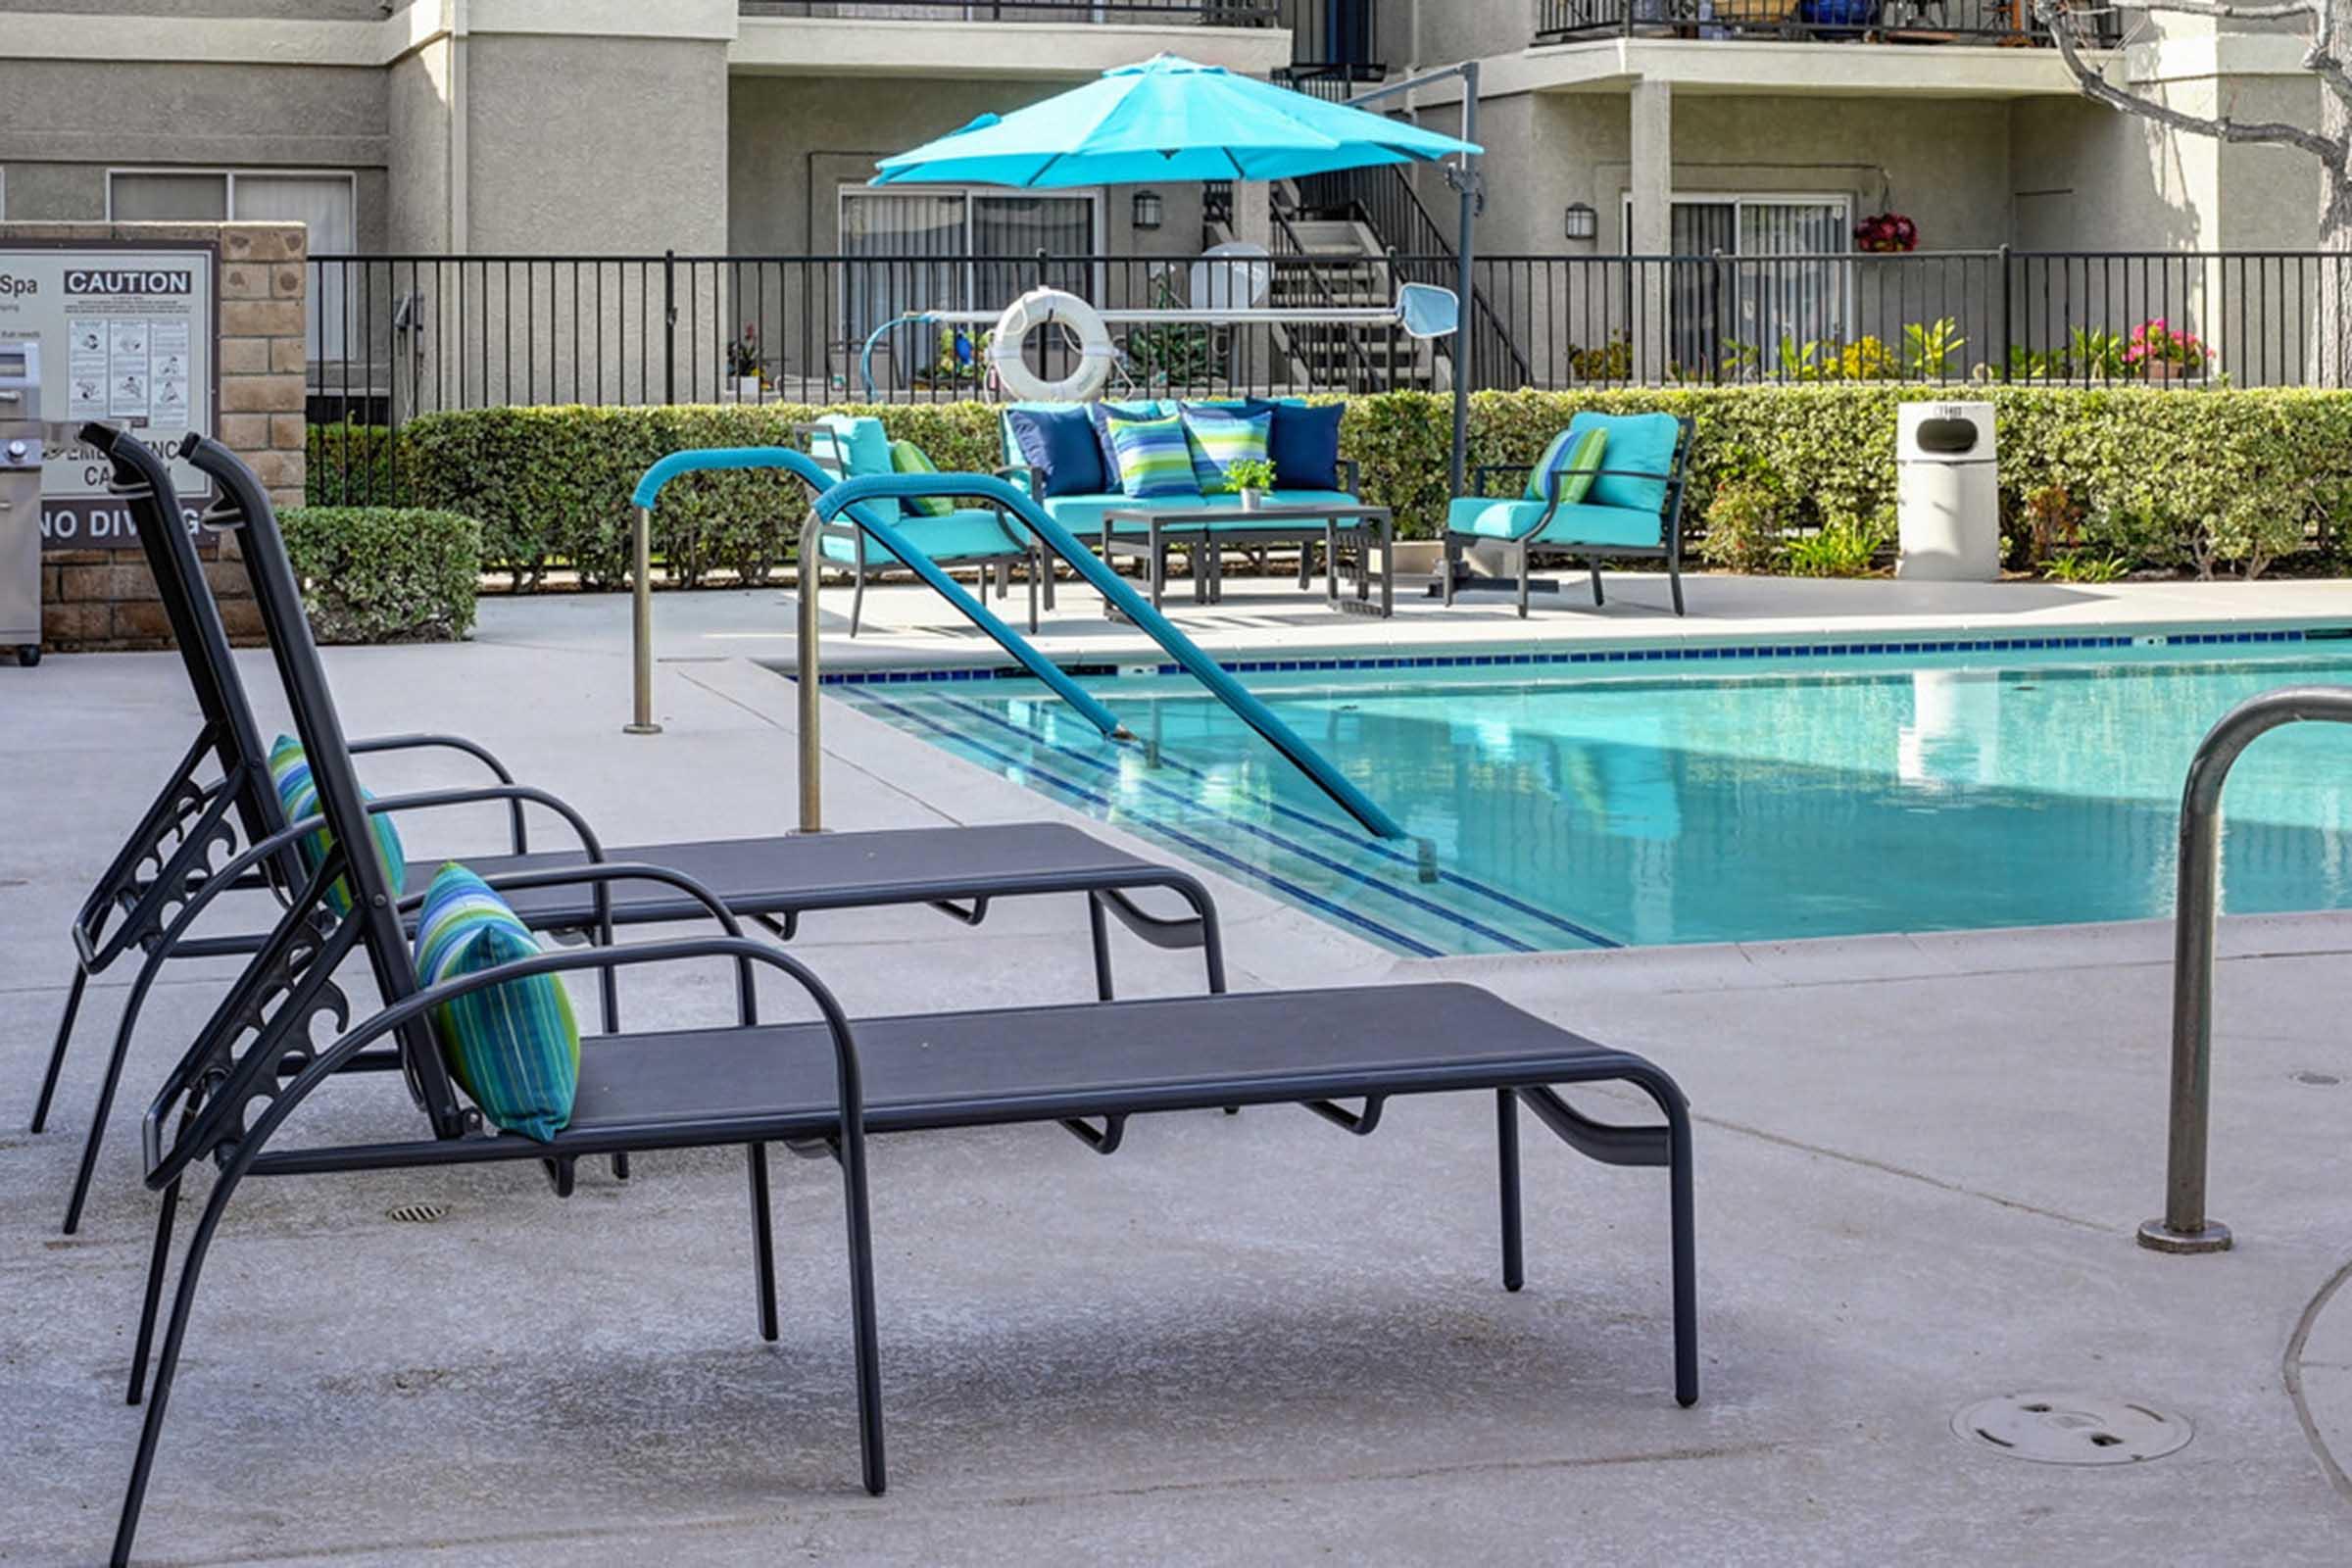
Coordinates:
[385,574]
[349,465]
[2174,479]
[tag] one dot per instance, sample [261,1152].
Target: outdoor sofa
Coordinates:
[824,1084]
[1629,506]
[167,871]
[1328,478]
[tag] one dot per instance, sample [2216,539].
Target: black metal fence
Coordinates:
[1905,21]
[393,337]
[1130,13]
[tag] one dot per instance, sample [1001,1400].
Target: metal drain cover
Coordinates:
[2070,1428]
[416,1213]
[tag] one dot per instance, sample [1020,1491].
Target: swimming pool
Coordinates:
[1642,796]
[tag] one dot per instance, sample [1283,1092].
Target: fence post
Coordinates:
[2007,345]
[670,326]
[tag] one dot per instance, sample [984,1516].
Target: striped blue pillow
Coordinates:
[515,1046]
[1155,456]
[298,797]
[1219,439]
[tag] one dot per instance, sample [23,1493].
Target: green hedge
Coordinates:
[2157,478]
[354,466]
[385,574]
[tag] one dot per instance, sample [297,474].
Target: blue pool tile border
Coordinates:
[1671,654]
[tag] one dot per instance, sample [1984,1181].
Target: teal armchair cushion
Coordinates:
[1495,518]
[960,535]
[1639,444]
[867,443]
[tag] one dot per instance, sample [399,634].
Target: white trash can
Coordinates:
[1946,493]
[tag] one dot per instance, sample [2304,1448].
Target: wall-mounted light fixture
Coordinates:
[1148,209]
[1582,221]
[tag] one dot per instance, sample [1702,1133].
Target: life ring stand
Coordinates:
[1041,306]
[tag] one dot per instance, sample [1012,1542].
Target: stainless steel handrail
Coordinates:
[2185,1226]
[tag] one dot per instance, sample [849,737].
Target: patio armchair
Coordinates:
[1633,507]
[851,447]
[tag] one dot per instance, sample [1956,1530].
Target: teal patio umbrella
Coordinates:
[1167,119]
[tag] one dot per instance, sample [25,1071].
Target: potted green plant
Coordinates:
[1253,477]
[743,364]
[2161,354]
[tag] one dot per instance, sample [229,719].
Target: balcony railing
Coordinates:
[1062,13]
[1909,22]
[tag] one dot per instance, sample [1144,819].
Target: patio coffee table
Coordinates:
[1355,527]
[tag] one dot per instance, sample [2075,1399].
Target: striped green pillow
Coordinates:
[1154,458]
[1222,437]
[513,1047]
[290,773]
[907,458]
[1576,457]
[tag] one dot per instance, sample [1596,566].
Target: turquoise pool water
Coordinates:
[1749,799]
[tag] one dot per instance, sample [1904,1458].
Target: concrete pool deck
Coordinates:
[1920,1160]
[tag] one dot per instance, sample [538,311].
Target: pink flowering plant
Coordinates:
[2154,342]
[1887,233]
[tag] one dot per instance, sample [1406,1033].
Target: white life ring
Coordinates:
[1035,308]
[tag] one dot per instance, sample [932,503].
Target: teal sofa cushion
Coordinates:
[1083,514]
[1156,460]
[1493,518]
[513,1047]
[298,797]
[960,535]
[1638,444]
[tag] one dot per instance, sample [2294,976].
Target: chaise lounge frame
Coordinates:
[824,1084]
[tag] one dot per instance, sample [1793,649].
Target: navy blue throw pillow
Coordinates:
[1304,446]
[1101,414]
[1059,444]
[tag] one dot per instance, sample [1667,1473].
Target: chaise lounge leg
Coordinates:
[861,1308]
[1507,1150]
[1451,564]
[57,1053]
[763,1239]
[93,1139]
[1674,583]
[183,1300]
[1669,1100]
[1526,565]
[857,600]
[1100,929]
[154,1297]
[1597,599]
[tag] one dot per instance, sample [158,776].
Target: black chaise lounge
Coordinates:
[826,1085]
[165,873]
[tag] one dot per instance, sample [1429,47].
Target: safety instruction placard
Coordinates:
[127,335]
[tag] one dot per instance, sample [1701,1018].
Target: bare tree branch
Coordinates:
[2054,15]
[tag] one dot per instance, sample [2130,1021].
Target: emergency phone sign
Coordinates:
[127,335]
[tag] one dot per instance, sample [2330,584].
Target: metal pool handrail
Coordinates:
[2185,1227]
[833,498]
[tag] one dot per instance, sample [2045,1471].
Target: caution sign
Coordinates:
[127,335]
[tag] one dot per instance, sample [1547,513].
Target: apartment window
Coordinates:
[325,199]
[1777,281]
[942,248]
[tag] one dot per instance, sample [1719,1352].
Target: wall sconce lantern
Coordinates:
[1583,222]
[1147,210]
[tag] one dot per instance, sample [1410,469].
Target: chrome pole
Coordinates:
[804,676]
[641,555]
[2185,1227]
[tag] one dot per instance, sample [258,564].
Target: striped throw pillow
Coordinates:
[1575,457]
[290,773]
[907,458]
[1220,438]
[513,1047]
[1154,458]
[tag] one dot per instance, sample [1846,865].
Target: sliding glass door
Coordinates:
[1753,272]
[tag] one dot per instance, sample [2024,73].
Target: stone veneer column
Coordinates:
[105,599]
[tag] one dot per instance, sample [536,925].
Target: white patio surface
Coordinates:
[1919,1163]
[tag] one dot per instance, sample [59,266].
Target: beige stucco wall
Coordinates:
[596,145]
[416,91]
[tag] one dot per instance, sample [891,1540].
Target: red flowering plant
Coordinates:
[1888,233]
[2154,343]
